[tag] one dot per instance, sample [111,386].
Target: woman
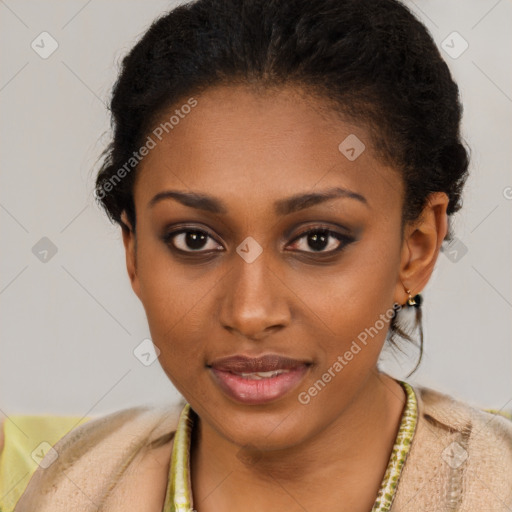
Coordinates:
[284,174]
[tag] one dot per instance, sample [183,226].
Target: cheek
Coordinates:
[167,292]
[353,301]
[354,305]
[175,300]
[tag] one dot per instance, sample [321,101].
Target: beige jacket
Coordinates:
[460,460]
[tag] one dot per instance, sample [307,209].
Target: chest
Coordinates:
[144,483]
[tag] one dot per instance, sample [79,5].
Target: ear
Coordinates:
[420,248]
[130,246]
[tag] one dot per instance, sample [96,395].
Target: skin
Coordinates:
[249,149]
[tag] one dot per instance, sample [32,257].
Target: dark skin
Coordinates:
[250,149]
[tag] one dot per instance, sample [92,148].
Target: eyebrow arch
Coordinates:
[302,201]
[282,207]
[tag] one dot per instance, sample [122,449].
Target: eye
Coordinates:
[321,240]
[191,240]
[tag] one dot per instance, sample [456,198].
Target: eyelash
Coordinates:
[344,240]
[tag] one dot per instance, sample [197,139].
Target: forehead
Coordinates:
[255,146]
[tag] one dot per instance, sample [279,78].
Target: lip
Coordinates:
[225,372]
[265,363]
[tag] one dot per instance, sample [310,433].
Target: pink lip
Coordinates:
[261,391]
[265,363]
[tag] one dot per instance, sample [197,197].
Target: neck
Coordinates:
[358,442]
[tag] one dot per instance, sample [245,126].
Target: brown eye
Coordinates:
[321,241]
[191,240]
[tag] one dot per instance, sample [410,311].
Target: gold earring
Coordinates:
[413,301]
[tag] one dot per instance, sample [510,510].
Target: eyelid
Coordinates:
[321,226]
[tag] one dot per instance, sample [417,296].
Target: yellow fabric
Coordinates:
[505,414]
[23,435]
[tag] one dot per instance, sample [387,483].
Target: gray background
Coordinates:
[69,325]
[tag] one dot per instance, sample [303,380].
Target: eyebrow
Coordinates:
[281,207]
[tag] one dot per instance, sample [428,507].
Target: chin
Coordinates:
[266,428]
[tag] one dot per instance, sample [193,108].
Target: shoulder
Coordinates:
[481,426]
[94,456]
[485,435]
[461,456]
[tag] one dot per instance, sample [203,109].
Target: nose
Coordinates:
[254,303]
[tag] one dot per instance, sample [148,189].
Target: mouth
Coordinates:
[258,380]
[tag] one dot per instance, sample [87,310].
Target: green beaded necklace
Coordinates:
[179,495]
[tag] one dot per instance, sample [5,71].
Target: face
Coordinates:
[273,241]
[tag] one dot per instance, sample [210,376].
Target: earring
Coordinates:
[414,301]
